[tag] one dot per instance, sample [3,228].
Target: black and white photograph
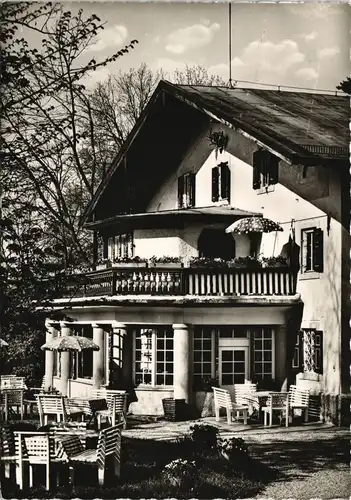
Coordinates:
[175,250]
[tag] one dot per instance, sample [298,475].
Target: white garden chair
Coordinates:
[276,402]
[222,399]
[116,406]
[299,400]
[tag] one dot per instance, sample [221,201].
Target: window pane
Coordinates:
[227,355]
[206,356]
[227,379]
[227,367]
[239,355]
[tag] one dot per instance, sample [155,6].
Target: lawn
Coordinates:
[143,475]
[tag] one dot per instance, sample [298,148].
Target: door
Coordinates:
[233,366]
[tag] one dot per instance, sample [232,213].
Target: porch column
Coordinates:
[181,376]
[51,333]
[66,330]
[98,356]
[118,368]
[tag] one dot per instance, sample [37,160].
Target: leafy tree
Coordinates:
[345,86]
[196,75]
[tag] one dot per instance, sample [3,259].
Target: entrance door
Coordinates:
[233,366]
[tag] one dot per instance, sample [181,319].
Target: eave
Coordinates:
[172,218]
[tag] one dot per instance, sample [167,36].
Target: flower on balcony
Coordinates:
[248,262]
[210,262]
[278,261]
[165,259]
[127,260]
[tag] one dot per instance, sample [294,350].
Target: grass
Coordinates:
[142,475]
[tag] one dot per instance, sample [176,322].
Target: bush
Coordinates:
[204,435]
[235,449]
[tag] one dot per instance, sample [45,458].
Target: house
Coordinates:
[170,313]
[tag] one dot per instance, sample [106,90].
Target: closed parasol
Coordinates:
[69,343]
[253,225]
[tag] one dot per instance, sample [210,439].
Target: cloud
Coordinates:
[309,37]
[191,37]
[169,65]
[307,73]
[112,37]
[328,52]
[97,76]
[263,62]
[156,39]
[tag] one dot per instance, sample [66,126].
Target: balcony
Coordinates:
[182,281]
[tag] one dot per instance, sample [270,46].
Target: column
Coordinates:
[181,377]
[117,369]
[98,356]
[51,333]
[65,364]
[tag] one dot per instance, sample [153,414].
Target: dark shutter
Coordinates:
[105,248]
[191,189]
[273,168]
[215,176]
[318,250]
[180,191]
[256,163]
[225,181]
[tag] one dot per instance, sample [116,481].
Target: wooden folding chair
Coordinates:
[299,400]
[109,445]
[277,402]
[51,404]
[116,406]
[7,449]
[10,398]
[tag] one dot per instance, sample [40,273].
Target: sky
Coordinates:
[303,45]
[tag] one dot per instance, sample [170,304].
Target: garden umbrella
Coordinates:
[70,343]
[253,225]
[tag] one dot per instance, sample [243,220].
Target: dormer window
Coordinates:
[186,190]
[265,169]
[221,182]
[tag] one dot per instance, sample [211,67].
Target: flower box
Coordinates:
[174,409]
[129,264]
[166,265]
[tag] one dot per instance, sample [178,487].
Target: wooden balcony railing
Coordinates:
[183,281]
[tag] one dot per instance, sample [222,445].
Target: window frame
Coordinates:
[186,190]
[154,331]
[317,261]
[221,182]
[265,171]
[317,348]
[263,330]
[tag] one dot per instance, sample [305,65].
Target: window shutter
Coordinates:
[180,191]
[191,189]
[256,163]
[215,178]
[318,250]
[225,181]
[273,168]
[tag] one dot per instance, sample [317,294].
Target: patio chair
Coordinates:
[299,400]
[243,392]
[35,448]
[222,399]
[12,382]
[276,402]
[7,449]
[10,398]
[49,404]
[109,445]
[116,406]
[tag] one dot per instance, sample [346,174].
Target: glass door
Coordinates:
[233,366]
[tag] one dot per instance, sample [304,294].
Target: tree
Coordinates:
[48,119]
[117,103]
[345,85]
[45,180]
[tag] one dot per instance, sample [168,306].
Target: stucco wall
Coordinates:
[322,295]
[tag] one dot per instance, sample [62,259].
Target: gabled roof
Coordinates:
[301,128]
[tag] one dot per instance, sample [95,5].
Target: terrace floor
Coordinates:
[307,461]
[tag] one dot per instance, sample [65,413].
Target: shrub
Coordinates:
[204,435]
[180,472]
[233,448]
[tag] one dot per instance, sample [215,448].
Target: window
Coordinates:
[298,352]
[153,351]
[202,356]
[233,332]
[186,190]
[81,363]
[312,250]
[221,182]
[265,169]
[120,246]
[313,351]
[263,353]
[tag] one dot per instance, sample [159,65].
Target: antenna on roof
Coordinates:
[230,45]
